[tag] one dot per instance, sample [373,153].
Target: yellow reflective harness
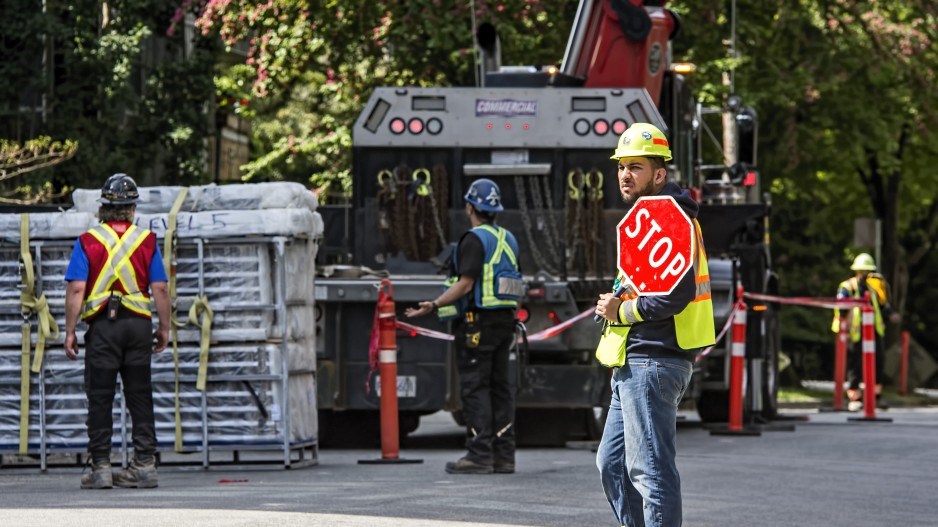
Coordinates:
[117,267]
[489,299]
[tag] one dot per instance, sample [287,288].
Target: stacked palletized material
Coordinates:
[244,251]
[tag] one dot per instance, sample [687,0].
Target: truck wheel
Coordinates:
[770,368]
[458,417]
[551,426]
[713,406]
[596,421]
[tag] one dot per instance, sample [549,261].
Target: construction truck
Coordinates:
[545,136]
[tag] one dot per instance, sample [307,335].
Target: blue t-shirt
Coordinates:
[78,265]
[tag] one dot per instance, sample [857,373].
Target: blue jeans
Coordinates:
[636,457]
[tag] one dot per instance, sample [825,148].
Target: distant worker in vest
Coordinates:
[865,279]
[113,269]
[650,343]
[483,292]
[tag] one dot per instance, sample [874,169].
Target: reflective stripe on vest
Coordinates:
[853,290]
[116,268]
[694,325]
[485,292]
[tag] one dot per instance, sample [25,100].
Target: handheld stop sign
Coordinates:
[655,245]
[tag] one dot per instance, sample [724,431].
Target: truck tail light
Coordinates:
[523,315]
[600,126]
[397,126]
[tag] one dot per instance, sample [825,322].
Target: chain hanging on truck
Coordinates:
[439,195]
[533,242]
[410,220]
[387,193]
[403,232]
[428,214]
[574,215]
[545,210]
[593,234]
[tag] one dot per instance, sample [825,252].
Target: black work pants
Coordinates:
[124,346]
[855,363]
[487,388]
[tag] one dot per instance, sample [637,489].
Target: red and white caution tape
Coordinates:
[551,332]
[417,330]
[559,328]
[535,337]
[829,303]
[726,327]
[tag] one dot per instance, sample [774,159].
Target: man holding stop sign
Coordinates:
[658,317]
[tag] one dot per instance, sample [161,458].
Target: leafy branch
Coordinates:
[35,154]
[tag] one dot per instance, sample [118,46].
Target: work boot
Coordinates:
[504,467]
[100,476]
[465,466]
[138,475]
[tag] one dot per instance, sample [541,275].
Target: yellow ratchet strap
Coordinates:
[48,328]
[169,263]
[200,305]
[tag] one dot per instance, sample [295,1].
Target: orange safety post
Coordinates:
[869,362]
[737,373]
[840,362]
[868,334]
[737,367]
[387,361]
[904,365]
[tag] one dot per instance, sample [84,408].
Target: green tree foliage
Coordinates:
[106,75]
[311,67]
[842,87]
[843,92]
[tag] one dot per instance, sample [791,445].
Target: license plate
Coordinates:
[406,386]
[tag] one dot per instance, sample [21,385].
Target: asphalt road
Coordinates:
[825,473]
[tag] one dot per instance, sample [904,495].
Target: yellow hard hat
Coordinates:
[642,140]
[863,262]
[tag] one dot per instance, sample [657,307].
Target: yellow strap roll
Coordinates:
[200,305]
[169,263]
[48,328]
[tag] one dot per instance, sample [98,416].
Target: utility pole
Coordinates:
[732,103]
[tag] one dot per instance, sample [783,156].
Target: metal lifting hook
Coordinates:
[384,176]
[595,189]
[423,185]
[575,181]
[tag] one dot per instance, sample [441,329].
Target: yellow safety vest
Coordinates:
[116,268]
[693,326]
[876,285]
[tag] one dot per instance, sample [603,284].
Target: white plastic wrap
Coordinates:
[240,277]
[48,225]
[250,196]
[235,223]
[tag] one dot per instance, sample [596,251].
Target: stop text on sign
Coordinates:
[655,245]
